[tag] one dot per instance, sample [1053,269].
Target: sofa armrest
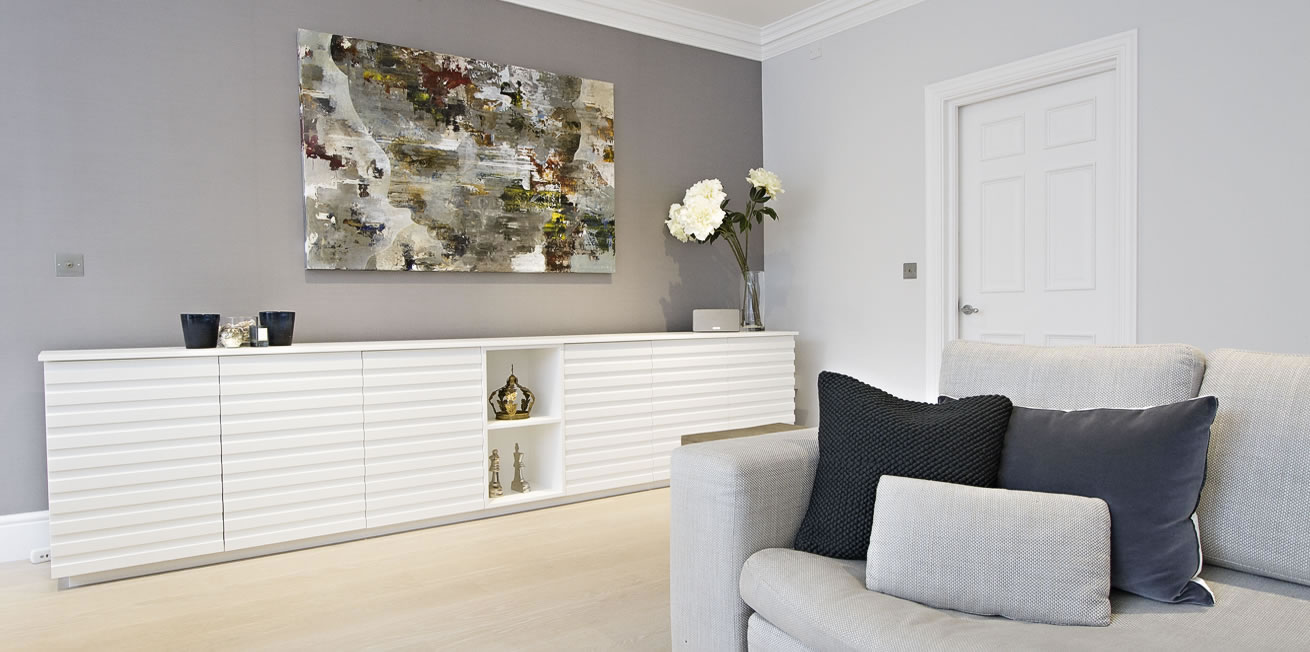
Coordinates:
[730,499]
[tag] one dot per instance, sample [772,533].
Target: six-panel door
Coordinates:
[423,420]
[134,463]
[293,447]
[607,415]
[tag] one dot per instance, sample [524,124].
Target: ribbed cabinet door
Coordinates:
[423,420]
[760,376]
[688,394]
[293,446]
[133,457]
[607,434]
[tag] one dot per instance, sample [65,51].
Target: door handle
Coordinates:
[968,309]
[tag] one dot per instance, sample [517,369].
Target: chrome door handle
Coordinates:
[968,309]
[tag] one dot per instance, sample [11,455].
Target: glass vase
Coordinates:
[752,318]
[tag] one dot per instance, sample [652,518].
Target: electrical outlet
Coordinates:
[816,52]
[910,271]
[69,265]
[40,555]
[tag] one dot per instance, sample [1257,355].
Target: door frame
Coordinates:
[942,104]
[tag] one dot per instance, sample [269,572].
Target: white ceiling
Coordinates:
[752,12]
[754,29]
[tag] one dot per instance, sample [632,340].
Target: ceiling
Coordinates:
[754,29]
[752,12]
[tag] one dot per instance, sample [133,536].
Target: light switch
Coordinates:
[69,265]
[910,271]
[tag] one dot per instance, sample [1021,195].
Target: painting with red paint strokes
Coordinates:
[418,161]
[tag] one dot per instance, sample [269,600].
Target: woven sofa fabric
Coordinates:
[1075,377]
[1039,557]
[1148,464]
[823,604]
[762,636]
[1255,509]
[730,498]
[865,432]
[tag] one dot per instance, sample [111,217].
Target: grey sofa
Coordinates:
[736,583]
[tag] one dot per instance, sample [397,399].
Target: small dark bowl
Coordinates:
[200,331]
[280,324]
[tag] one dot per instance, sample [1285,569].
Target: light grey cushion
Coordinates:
[730,498]
[1026,555]
[1255,507]
[823,604]
[1074,377]
[762,636]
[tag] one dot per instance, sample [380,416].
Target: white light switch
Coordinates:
[69,265]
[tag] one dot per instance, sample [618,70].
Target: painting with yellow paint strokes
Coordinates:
[418,161]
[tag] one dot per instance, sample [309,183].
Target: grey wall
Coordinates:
[160,139]
[1223,166]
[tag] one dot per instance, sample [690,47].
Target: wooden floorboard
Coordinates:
[587,576]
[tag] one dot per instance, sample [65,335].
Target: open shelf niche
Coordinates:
[541,436]
[539,369]
[543,462]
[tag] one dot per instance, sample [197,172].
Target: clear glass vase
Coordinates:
[752,318]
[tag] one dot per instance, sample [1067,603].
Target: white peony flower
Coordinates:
[675,223]
[700,212]
[709,190]
[762,178]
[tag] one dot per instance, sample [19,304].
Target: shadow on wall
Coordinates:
[715,274]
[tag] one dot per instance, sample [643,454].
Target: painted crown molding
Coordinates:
[697,28]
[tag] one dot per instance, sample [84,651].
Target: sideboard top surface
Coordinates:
[397,345]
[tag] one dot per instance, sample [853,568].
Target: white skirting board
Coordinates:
[20,534]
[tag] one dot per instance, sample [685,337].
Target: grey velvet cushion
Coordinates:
[823,604]
[1147,464]
[1073,377]
[1031,556]
[1255,509]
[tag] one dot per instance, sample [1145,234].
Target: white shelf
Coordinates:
[399,345]
[515,498]
[522,423]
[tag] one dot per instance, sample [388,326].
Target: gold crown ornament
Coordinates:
[513,401]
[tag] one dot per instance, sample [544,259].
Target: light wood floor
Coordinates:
[587,576]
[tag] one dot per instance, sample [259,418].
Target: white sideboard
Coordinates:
[168,458]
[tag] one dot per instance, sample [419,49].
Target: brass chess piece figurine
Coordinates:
[519,484]
[494,489]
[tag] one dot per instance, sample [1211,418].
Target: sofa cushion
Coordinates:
[1039,557]
[822,603]
[1147,464]
[865,432]
[1255,510]
[1075,377]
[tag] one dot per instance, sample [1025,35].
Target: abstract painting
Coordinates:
[421,161]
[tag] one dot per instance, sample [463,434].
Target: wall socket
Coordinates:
[910,270]
[69,265]
[40,555]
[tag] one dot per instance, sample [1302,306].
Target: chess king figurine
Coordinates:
[519,484]
[494,489]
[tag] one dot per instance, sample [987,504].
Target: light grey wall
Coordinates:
[160,139]
[1224,162]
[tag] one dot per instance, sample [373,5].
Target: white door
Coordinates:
[1039,260]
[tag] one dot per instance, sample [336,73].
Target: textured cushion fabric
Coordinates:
[1147,464]
[1031,556]
[730,498]
[1255,509]
[822,603]
[762,636]
[1075,377]
[865,432]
